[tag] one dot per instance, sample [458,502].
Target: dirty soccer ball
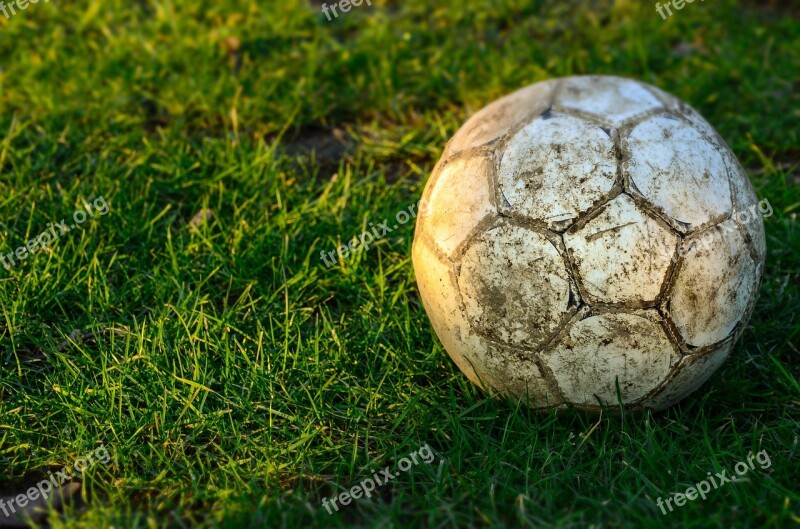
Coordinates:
[589,241]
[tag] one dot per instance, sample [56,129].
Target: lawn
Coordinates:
[193,332]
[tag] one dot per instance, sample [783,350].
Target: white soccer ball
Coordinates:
[589,241]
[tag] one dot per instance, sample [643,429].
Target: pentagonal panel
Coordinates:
[461,196]
[515,285]
[602,351]
[678,170]
[554,169]
[485,364]
[714,285]
[622,254]
[691,373]
[747,209]
[502,116]
[613,99]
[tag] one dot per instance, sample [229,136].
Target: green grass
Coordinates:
[236,380]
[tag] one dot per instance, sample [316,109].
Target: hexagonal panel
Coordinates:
[747,209]
[751,306]
[460,199]
[554,169]
[440,298]
[500,117]
[515,285]
[621,254]
[714,285]
[612,99]
[485,364]
[604,349]
[691,373]
[678,170]
[678,107]
[516,374]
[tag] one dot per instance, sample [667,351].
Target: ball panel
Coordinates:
[622,254]
[485,364]
[516,373]
[612,99]
[684,111]
[691,373]
[678,170]
[556,168]
[713,286]
[441,301]
[598,350]
[434,177]
[751,306]
[515,285]
[502,116]
[460,199]
[745,204]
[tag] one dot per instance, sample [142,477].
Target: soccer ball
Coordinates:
[589,241]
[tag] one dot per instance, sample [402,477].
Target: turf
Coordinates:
[237,381]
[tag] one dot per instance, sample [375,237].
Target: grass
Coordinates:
[236,380]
